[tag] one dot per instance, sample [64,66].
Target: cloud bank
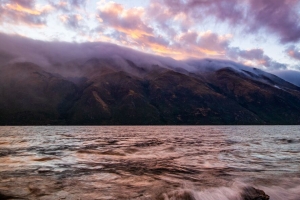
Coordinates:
[60,55]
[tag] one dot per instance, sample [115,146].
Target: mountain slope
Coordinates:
[105,84]
[107,94]
[30,95]
[273,104]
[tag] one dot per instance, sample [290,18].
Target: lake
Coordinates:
[149,162]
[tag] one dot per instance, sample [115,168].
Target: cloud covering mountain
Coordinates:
[46,54]
[101,83]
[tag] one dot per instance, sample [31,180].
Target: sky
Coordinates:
[264,33]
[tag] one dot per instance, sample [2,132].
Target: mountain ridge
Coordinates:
[132,88]
[161,97]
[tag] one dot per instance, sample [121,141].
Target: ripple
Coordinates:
[134,162]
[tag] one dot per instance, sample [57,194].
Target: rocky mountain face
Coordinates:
[117,91]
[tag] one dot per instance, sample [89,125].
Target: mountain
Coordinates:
[119,86]
[290,75]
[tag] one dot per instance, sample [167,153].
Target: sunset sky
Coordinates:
[264,33]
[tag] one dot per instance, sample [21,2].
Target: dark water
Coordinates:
[208,162]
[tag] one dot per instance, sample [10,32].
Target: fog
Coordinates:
[46,54]
[14,49]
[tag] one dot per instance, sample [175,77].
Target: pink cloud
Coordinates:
[212,41]
[130,28]
[293,52]
[128,21]
[199,45]
[23,3]
[23,12]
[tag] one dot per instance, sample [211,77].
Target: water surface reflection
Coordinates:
[140,162]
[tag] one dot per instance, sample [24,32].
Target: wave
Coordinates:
[237,191]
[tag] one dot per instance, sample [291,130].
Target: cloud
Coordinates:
[253,54]
[293,52]
[279,17]
[165,27]
[230,10]
[24,13]
[133,27]
[164,20]
[129,27]
[72,14]
[72,21]
[128,21]
[22,3]
[155,30]
[198,45]
[213,42]
[78,3]
[68,6]
[47,54]
[254,57]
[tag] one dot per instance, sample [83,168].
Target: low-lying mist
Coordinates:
[68,58]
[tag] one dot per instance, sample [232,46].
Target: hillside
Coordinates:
[107,94]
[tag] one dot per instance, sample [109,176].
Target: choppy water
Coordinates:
[141,162]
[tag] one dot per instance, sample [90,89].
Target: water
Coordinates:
[149,162]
